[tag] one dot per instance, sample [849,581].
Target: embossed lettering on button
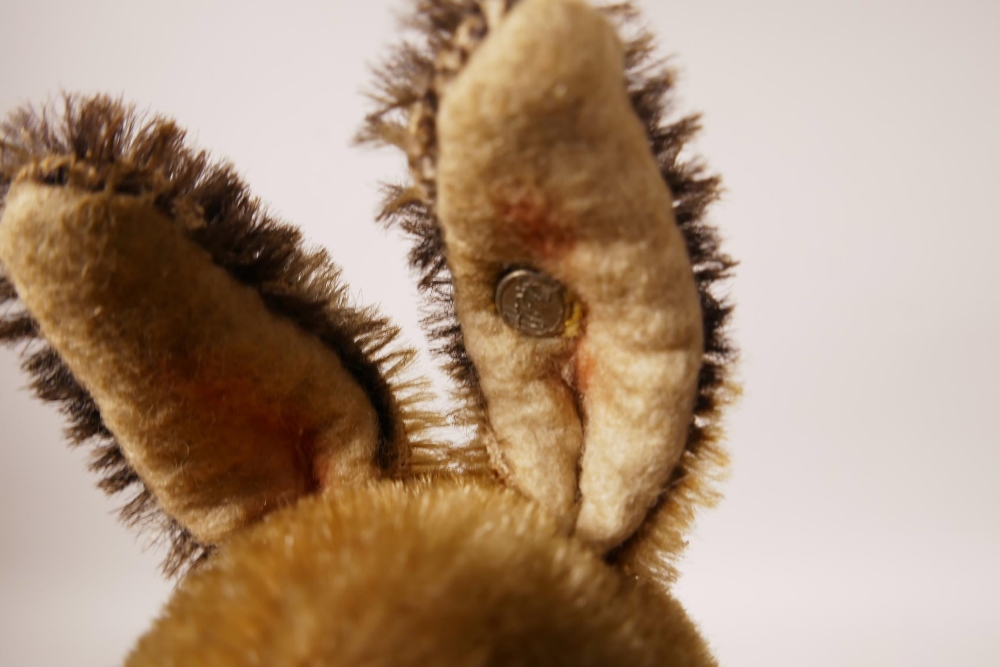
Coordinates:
[533,303]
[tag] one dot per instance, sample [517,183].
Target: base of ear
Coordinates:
[392,574]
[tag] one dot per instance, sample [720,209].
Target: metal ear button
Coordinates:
[534,304]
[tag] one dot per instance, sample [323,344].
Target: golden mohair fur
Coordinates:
[393,575]
[432,553]
[98,143]
[223,409]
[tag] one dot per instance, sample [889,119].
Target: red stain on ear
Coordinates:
[262,428]
[535,222]
[276,424]
[584,368]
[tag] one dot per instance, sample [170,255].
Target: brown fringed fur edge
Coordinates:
[406,94]
[52,381]
[99,143]
[410,84]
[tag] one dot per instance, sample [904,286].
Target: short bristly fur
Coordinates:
[410,87]
[449,574]
[99,144]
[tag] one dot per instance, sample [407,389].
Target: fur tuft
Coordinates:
[410,84]
[408,87]
[99,143]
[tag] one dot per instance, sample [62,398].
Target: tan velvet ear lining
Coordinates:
[543,162]
[407,100]
[225,410]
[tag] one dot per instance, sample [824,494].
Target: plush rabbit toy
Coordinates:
[275,430]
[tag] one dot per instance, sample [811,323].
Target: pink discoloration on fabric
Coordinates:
[584,368]
[536,222]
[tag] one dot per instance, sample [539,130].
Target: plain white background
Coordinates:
[860,142]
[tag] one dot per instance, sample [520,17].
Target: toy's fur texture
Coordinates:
[274,430]
[456,575]
[222,408]
[99,145]
[409,94]
[543,163]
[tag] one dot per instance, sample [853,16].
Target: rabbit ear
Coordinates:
[560,222]
[219,366]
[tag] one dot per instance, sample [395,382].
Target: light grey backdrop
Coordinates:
[860,143]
